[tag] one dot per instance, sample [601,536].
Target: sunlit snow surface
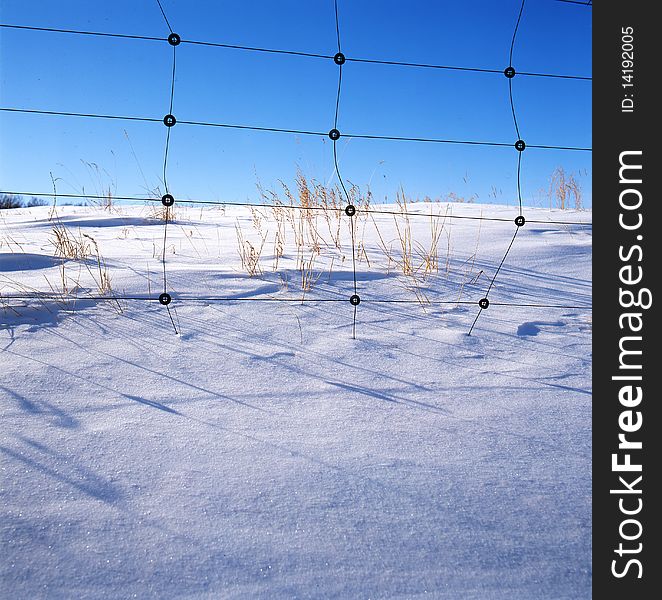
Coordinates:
[264,453]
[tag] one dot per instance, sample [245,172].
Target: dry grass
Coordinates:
[428,255]
[159,212]
[310,221]
[69,245]
[70,248]
[308,275]
[78,247]
[414,258]
[104,193]
[249,254]
[470,275]
[302,236]
[100,275]
[565,190]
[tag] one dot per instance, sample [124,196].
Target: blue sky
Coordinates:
[61,72]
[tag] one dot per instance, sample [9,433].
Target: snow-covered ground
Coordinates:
[264,453]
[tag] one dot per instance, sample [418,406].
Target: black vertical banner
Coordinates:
[627,453]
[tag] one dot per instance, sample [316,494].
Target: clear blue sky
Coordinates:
[61,72]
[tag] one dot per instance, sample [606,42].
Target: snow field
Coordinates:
[263,452]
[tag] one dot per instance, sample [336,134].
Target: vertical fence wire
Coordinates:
[520,145]
[168,199]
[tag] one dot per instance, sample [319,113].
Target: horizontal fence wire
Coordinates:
[305,300]
[291,131]
[294,52]
[589,3]
[257,205]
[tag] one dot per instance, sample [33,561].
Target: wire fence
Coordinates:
[350,210]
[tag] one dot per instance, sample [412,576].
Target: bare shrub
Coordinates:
[10,201]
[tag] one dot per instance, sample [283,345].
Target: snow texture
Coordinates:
[264,453]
